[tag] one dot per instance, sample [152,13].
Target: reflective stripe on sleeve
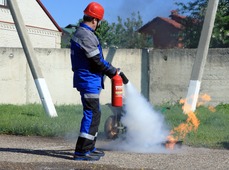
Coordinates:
[89,55]
[93,53]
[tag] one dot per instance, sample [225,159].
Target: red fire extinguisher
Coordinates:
[117,90]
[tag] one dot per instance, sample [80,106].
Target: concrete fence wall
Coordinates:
[17,85]
[160,75]
[170,72]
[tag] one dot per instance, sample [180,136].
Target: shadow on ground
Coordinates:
[60,165]
[63,154]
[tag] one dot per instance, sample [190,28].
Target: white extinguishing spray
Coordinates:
[136,126]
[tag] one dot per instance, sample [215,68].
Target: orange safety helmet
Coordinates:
[95,10]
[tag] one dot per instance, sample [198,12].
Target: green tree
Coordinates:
[195,12]
[124,34]
[104,34]
[221,32]
[133,39]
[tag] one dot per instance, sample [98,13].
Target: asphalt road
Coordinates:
[38,153]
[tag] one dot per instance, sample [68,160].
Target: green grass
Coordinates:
[213,131]
[31,120]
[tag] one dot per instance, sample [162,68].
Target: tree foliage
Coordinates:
[195,11]
[124,34]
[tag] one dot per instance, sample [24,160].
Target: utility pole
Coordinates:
[201,56]
[31,59]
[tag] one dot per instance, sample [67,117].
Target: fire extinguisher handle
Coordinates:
[124,78]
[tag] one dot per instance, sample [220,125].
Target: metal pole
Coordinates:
[201,56]
[31,59]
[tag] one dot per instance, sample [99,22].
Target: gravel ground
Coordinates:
[38,153]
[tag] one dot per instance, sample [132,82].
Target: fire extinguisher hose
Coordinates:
[124,78]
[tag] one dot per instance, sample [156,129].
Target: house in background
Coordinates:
[165,31]
[67,34]
[42,29]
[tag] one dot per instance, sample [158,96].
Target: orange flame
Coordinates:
[171,141]
[211,108]
[191,124]
[203,99]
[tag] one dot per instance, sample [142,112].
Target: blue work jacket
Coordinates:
[88,76]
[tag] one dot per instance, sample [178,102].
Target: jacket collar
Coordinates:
[86,26]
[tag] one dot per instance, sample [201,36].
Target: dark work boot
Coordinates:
[88,156]
[97,152]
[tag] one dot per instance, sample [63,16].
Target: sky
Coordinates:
[67,12]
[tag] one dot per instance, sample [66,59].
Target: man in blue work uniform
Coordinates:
[89,67]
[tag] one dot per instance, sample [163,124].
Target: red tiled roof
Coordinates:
[173,22]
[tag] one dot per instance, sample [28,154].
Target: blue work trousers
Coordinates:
[90,122]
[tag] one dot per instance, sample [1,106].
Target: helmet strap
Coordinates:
[98,24]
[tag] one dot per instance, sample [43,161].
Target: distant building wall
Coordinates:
[42,32]
[165,35]
[160,75]
[165,31]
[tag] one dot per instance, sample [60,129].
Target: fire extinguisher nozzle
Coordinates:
[124,78]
